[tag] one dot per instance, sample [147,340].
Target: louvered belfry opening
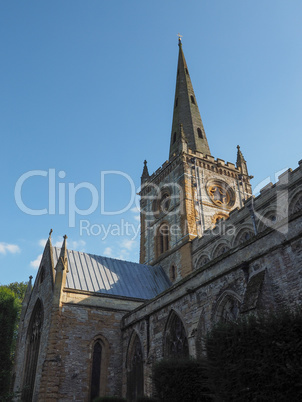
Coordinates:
[135,381]
[96,370]
[33,346]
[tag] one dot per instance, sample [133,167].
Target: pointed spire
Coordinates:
[186,112]
[28,290]
[62,261]
[61,272]
[145,175]
[241,162]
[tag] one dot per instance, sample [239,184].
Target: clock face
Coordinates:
[221,193]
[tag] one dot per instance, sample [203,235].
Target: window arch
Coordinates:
[227,307]
[33,346]
[199,132]
[173,273]
[99,367]
[220,249]
[295,203]
[176,341]
[192,99]
[135,375]
[244,235]
[163,238]
[203,260]
[96,370]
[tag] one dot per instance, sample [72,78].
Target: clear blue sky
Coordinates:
[88,87]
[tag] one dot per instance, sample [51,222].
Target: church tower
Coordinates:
[191,191]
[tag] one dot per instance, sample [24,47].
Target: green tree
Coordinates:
[19,288]
[258,358]
[11,297]
[9,310]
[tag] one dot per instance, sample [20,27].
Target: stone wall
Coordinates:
[44,292]
[264,272]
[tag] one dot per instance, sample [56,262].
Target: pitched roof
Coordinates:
[110,276]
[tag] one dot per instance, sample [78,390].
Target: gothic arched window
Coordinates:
[176,339]
[32,354]
[199,132]
[173,273]
[163,238]
[135,379]
[96,370]
[228,307]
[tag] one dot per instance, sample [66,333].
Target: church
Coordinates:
[94,326]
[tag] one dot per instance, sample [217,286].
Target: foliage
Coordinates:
[19,288]
[11,297]
[9,308]
[181,380]
[257,358]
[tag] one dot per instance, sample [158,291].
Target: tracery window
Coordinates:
[176,339]
[228,309]
[32,354]
[96,370]
[135,380]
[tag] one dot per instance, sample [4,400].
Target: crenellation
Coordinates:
[266,188]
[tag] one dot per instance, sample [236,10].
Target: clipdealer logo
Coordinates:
[57,191]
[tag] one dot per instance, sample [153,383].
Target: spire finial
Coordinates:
[179,39]
[50,233]
[145,174]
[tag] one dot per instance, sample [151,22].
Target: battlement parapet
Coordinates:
[270,210]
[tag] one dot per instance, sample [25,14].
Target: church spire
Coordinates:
[145,176]
[186,112]
[61,271]
[241,162]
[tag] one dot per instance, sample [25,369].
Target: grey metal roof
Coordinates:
[110,276]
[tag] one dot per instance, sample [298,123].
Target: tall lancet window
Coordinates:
[96,370]
[176,345]
[163,238]
[135,383]
[33,346]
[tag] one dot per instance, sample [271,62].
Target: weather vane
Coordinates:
[179,37]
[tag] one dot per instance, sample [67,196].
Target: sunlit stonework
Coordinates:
[221,194]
